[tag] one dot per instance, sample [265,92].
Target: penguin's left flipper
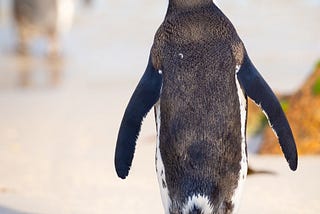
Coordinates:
[258,90]
[142,100]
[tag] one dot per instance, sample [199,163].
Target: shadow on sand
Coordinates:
[6,210]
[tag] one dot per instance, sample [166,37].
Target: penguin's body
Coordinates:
[199,108]
[198,78]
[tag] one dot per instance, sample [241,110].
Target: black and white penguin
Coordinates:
[198,78]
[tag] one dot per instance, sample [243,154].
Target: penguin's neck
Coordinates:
[187,4]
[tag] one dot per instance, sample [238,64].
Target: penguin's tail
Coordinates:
[198,204]
[196,210]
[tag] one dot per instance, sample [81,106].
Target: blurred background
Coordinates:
[67,71]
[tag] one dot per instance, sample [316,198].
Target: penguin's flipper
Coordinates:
[142,100]
[258,90]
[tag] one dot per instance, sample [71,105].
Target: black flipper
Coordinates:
[258,90]
[142,100]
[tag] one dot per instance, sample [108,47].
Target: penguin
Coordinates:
[48,18]
[198,78]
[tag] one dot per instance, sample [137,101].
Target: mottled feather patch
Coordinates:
[164,185]
[159,165]
[199,201]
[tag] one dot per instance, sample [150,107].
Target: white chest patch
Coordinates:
[244,161]
[199,201]
[166,201]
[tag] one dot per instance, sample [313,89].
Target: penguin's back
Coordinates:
[200,133]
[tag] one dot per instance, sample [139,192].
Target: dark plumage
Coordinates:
[201,117]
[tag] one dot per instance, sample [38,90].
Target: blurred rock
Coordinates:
[303,113]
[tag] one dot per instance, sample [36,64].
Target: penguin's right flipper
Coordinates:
[258,90]
[142,100]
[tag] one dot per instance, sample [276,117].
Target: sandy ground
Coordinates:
[56,156]
[59,121]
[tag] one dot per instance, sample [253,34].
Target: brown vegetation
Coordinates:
[303,113]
